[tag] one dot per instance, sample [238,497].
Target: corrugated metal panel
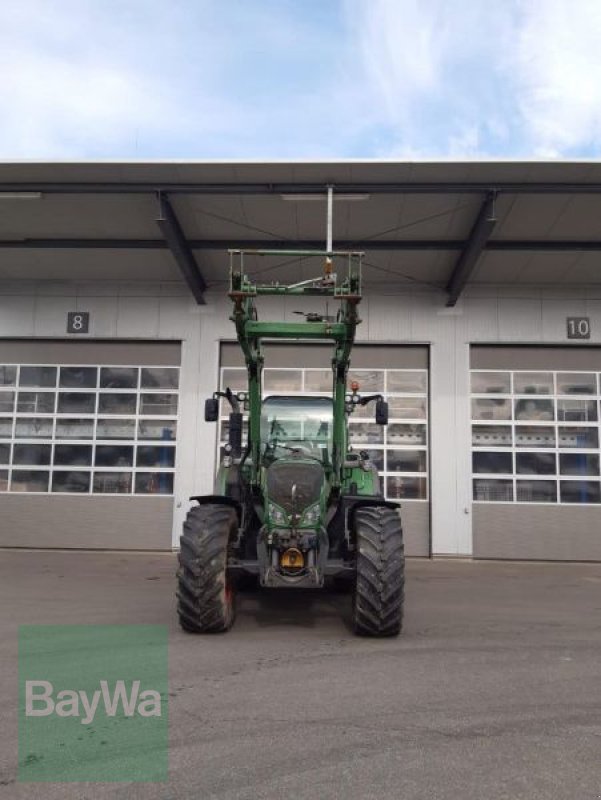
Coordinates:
[537,532]
[120,523]
[53,351]
[317,355]
[536,358]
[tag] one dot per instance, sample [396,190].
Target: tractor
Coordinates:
[293,503]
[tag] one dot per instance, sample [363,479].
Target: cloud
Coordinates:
[558,75]
[282,79]
[518,79]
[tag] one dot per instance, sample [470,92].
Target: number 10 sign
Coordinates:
[579,328]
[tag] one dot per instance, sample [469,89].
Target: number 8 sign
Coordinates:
[78,321]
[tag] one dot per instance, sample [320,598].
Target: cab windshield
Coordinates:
[301,425]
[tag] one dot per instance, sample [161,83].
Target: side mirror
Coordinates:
[381,412]
[211,409]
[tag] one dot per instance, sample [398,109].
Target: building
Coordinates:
[481,322]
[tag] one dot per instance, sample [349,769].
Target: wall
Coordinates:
[165,311]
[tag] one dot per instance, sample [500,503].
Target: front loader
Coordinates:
[294,504]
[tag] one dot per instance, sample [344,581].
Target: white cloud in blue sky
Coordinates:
[299,78]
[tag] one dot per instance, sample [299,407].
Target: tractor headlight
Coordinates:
[277,515]
[311,515]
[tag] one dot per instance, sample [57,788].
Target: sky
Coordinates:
[291,79]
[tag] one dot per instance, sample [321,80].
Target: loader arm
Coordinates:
[251,333]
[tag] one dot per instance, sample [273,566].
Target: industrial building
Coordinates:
[481,323]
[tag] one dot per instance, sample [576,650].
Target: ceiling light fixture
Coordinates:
[20,195]
[324,196]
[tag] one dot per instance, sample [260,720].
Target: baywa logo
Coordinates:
[41,702]
[93,703]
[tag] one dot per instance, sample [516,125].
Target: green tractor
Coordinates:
[294,504]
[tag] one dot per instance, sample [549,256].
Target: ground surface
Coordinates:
[493,691]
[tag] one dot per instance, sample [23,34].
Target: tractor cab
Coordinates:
[297,426]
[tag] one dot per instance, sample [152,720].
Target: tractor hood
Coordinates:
[294,483]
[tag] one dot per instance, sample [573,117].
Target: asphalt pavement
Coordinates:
[492,691]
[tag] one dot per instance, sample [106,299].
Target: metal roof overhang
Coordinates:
[441,224]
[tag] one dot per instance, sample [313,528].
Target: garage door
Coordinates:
[87,443]
[400,450]
[535,452]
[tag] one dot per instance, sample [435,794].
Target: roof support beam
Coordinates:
[373,245]
[476,243]
[176,242]
[234,189]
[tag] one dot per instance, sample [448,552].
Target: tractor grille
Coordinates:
[283,475]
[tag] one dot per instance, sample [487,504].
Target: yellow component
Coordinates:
[292,558]
[328,267]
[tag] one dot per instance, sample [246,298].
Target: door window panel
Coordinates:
[7,402]
[579,491]
[576,383]
[24,480]
[578,463]
[74,429]
[536,491]
[579,437]
[117,403]
[493,491]
[8,375]
[535,463]
[59,422]
[533,382]
[32,454]
[158,405]
[76,403]
[165,429]
[368,380]
[406,487]
[534,436]
[36,402]
[161,456]
[572,410]
[65,481]
[406,460]
[159,378]
[492,462]
[534,410]
[78,377]
[33,428]
[116,429]
[38,377]
[154,483]
[491,382]
[112,483]
[73,455]
[119,377]
[113,456]
[406,381]
[554,437]
[487,408]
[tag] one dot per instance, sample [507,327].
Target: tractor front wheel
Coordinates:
[380,582]
[205,594]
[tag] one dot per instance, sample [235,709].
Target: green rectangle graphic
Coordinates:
[93,703]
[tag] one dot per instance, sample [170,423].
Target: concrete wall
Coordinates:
[160,311]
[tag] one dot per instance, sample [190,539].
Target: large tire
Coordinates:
[205,594]
[380,584]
